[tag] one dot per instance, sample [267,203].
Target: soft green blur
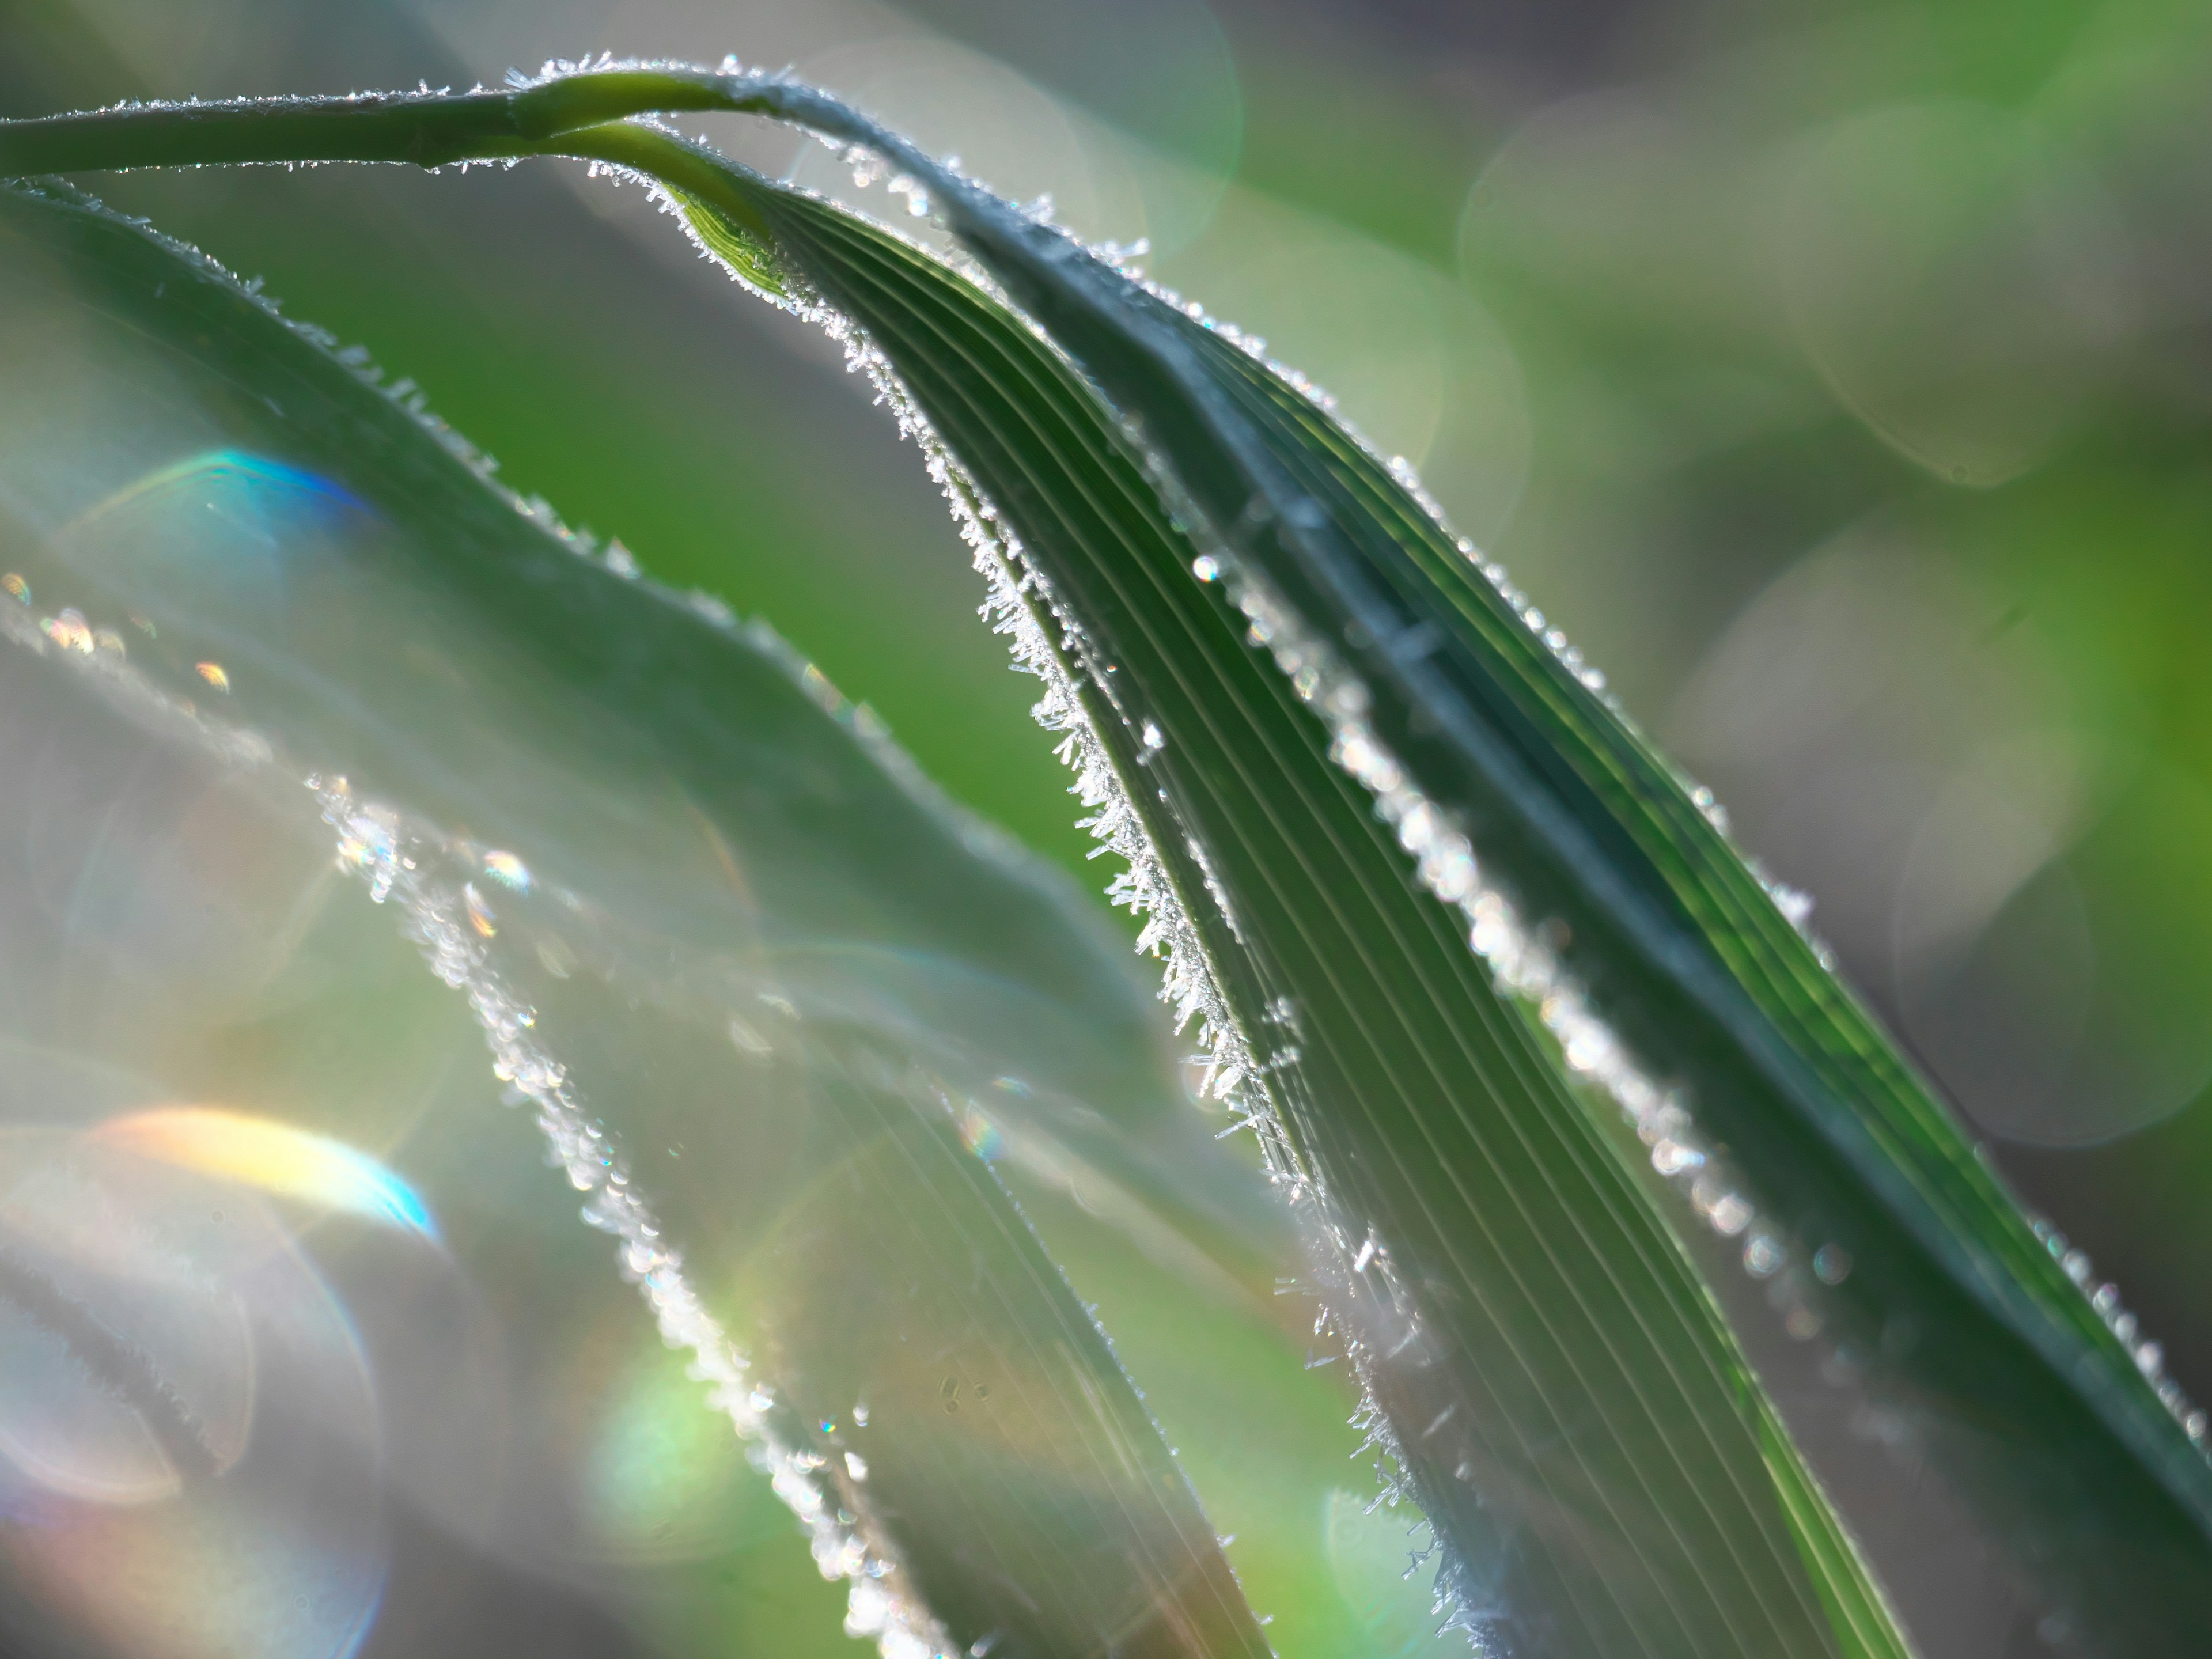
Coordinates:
[1839,377]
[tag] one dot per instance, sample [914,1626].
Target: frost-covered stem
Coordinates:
[427,129]
[424,129]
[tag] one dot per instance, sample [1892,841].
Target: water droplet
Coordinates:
[1709,808]
[1795,903]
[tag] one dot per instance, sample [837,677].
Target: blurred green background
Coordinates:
[1839,377]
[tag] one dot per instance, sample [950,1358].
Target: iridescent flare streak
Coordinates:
[273,1157]
[247,477]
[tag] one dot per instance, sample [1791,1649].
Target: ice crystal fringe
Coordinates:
[393,858]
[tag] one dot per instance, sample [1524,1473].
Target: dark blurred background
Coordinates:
[1839,376]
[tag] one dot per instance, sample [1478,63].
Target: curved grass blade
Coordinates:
[696,903]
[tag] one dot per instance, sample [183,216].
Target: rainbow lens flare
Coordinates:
[274,1157]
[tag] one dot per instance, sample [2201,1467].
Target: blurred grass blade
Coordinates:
[772,1002]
